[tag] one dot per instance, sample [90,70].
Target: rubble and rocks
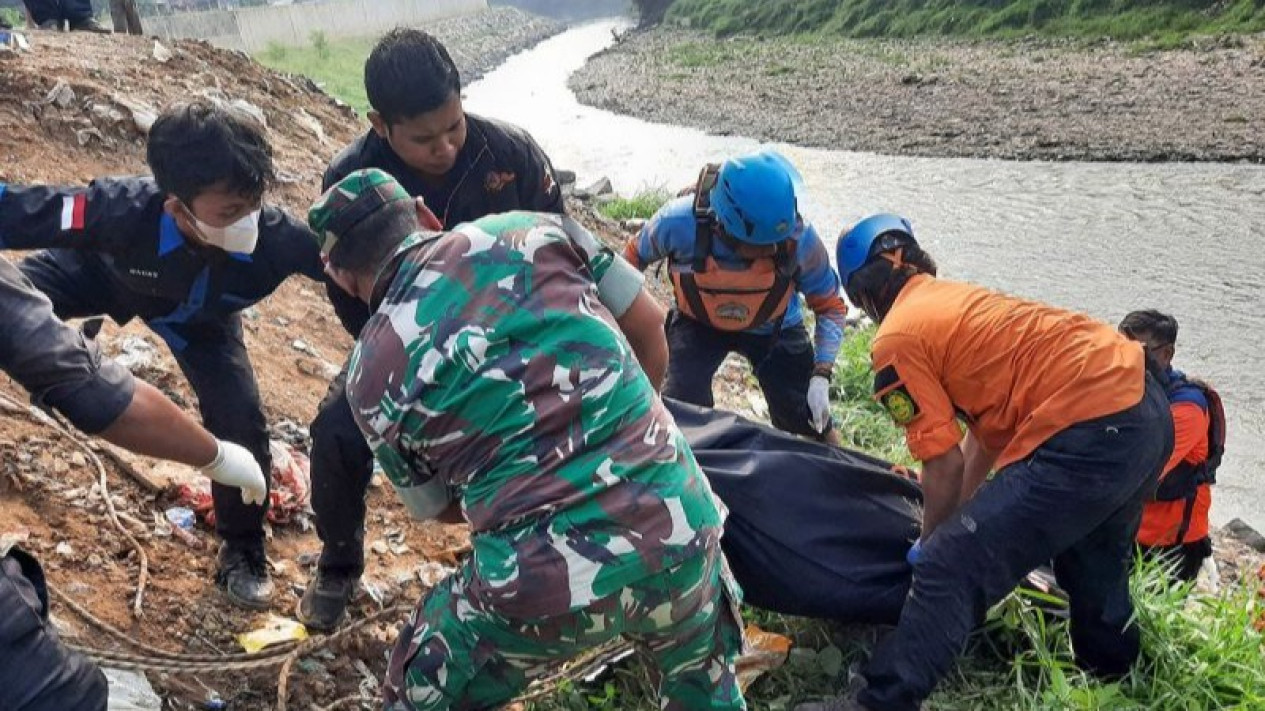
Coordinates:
[1023,99]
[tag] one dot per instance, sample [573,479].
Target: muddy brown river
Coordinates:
[1104,238]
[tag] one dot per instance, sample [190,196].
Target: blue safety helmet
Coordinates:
[873,235]
[754,199]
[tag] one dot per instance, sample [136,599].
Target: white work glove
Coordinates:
[234,466]
[819,402]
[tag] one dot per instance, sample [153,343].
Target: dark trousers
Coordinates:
[342,466]
[1077,501]
[783,368]
[37,673]
[71,10]
[212,356]
[1185,559]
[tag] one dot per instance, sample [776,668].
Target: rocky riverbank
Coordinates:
[1027,100]
[480,42]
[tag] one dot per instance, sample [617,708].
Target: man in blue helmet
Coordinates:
[740,256]
[1059,405]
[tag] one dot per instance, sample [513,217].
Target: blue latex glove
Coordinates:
[915,552]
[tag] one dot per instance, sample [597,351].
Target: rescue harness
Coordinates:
[732,300]
[1183,482]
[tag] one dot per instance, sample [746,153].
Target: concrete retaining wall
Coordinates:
[252,29]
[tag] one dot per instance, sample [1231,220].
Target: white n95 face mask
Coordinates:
[239,237]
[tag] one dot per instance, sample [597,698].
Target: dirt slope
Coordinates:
[70,111]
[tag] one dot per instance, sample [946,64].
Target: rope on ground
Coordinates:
[341,703]
[580,667]
[43,418]
[140,662]
[155,652]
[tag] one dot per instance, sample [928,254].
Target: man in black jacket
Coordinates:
[464,167]
[186,252]
[65,372]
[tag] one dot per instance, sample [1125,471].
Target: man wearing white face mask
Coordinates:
[185,251]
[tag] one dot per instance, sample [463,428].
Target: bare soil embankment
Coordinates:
[1026,100]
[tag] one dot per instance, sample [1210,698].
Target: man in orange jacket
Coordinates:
[1176,525]
[1058,404]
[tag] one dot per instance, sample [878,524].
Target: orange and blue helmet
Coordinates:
[754,198]
[868,238]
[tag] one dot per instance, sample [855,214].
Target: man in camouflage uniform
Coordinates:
[495,376]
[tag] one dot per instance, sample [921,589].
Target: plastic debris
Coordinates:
[766,651]
[431,573]
[11,42]
[181,517]
[13,539]
[64,550]
[289,497]
[130,691]
[275,631]
[162,54]
[136,354]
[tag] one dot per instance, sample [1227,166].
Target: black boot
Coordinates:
[324,603]
[90,25]
[243,575]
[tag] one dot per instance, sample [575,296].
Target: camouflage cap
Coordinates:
[349,202]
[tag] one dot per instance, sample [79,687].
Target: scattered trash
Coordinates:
[181,517]
[379,547]
[136,354]
[64,550]
[61,95]
[130,691]
[11,43]
[289,499]
[431,573]
[275,631]
[12,539]
[766,651]
[162,54]
[215,703]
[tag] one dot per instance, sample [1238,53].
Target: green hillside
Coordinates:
[1121,19]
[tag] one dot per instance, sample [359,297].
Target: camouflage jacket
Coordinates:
[492,370]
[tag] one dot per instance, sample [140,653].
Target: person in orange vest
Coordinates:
[1059,405]
[1175,525]
[740,255]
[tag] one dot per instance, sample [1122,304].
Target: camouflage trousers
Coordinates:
[451,655]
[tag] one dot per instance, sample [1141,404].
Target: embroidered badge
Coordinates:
[496,182]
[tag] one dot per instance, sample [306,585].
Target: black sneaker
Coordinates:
[90,25]
[243,575]
[324,603]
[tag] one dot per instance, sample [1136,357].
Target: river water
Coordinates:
[1105,238]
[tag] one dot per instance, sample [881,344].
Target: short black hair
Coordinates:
[373,240]
[409,73]
[1150,324]
[197,144]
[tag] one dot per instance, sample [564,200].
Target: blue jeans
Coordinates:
[1077,500]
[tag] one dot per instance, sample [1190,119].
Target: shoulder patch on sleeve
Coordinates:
[892,394]
[900,405]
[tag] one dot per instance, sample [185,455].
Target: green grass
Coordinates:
[641,206]
[1200,652]
[1164,21]
[13,16]
[337,65]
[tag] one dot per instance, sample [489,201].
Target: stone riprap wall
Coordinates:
[253,29]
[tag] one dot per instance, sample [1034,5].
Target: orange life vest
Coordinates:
[728,299]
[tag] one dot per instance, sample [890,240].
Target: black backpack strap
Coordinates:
[689,284]
[1188,513]
[783,280]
